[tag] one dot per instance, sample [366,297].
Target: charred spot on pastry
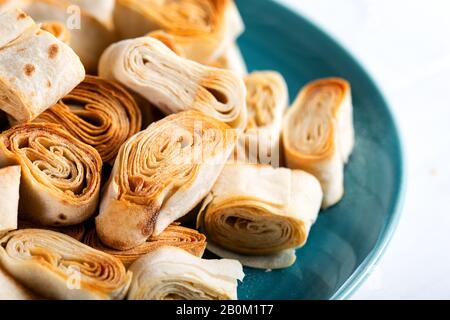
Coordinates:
[29,69]
[62,217]
[21,16]
[53,51]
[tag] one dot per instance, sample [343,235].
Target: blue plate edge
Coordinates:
[354,282]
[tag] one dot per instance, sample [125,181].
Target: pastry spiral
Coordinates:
[258,211]
[98,112]
[60,175]
[318,134]
[36,69]
[173,84]
[173,274]
[160,174]
[267,100]
[59,267]
[174,236]
[203,28]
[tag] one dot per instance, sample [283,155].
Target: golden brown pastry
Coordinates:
[98,112]
[9,198]
[60,182]
[203,28]
[36,70]
[318,134]
[59,267]
[174,236]
[160,174]
[259,215]
[267,101]
[174,84]
[173,274]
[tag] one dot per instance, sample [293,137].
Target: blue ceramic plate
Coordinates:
[349,238]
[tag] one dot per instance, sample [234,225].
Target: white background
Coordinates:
[405,45]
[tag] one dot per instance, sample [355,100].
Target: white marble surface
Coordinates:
[405,45]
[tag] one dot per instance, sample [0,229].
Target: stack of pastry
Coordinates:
[99,172]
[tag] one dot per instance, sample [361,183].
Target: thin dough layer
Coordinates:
[173,274]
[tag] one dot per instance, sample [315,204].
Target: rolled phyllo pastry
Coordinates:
[174,84]
[60,267]
[89,37]
[60,182]
[100,113]
[259,214]
[318,134]
[77,231]
[203,28]
[160,174]
[9,198]
[173,274]
[267,100]
[174,236]
[36,69]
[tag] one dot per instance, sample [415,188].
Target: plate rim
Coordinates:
[363,271]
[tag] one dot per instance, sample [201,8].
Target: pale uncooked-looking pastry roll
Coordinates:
[203,28]
[9,198]
[172,83]
[57,29]
[161,174]
[259,214]
[60,267]
[60,182]
[231,59]
[174,236]
[100,113]
[267,100]
[36,69]
[173,274]
[88,36]
[318,134]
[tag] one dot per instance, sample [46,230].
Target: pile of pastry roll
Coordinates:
[117,136]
